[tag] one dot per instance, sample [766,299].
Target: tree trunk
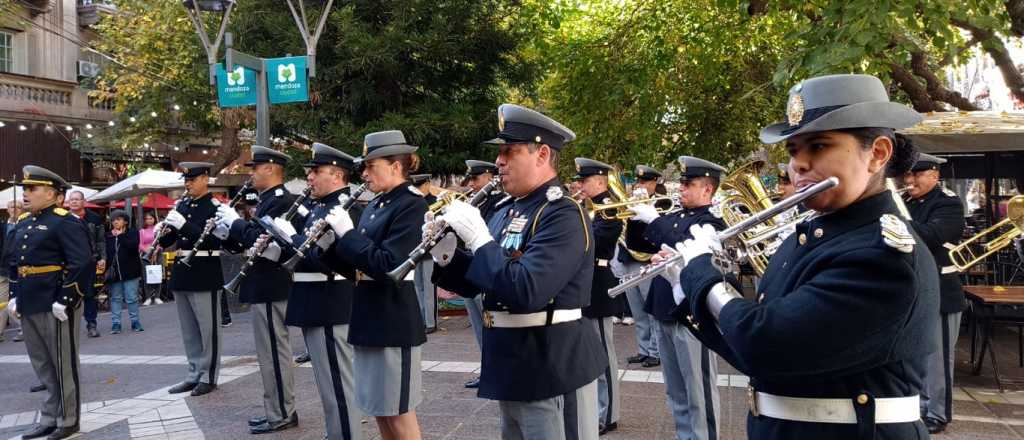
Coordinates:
[938,92]
[230,148]
[1015,9]
[919,96]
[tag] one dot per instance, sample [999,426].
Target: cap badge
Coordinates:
[501,120]
[795,109]
[365,148]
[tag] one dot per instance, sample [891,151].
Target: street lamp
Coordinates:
[194,8]
[208,5]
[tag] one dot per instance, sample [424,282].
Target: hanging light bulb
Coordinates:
[88,126]
[153,114]
[131,119]
[146,145]
[68,128]
[22,127]
[110,123]
[2,124]
[177,149]
[206,151]
[177,107]
[88,135]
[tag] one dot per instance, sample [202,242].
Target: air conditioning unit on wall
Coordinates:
[88,69]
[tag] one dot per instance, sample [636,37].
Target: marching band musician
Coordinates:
[593,178]
[646,341]
[196,287]
[836,339]
[55,266]
[321,300]
[425,290]
[690,369]
[386,328]
[540,361]
[478,173]
[266,289]
[937,216]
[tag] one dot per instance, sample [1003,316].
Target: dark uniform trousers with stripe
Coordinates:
[690,369]
[52,348]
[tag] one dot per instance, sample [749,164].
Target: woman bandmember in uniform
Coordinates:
[835,339]
[386,328]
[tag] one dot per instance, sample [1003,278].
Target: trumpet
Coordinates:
[212,223]
[620,210]
[264,240]
[318,229]
[151,250]
[974,249]
[421,250]
[726,237]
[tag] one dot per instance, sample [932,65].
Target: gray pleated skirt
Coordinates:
[388,380]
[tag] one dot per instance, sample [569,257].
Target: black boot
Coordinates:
[203,388]
[64,432]
[257,421]
[39,431]
[182,387]
[266,428]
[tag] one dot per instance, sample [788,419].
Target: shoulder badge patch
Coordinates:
[60,211]
[279,192]
[554,193]
[948,192]
[415,190]
[896,235]
[23,216]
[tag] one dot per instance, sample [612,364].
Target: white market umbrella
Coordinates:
[140,184]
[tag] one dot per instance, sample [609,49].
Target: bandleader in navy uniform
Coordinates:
[836,338]
[54,268]
[541,360]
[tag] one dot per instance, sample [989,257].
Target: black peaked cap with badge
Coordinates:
[644,172]
[419,179]
[478,167]
[837,102]
[191,170]
[324,154]
[927,162]
[385,143]
[589,167]
[518,124]
[262,154]
[37,175]
[691,167]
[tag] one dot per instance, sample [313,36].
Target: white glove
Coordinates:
[704,241]
[58,310]
[671,273]
[339,220]
[226,216]
[644,212]
[12,308]
[221,232]
[326,240]
[175,220]
[677,293]
[618,269]
[285,226]
[272,251]
[466,221]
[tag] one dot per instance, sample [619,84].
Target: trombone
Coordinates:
[975,249]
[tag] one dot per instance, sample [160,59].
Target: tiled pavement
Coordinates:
[125,377]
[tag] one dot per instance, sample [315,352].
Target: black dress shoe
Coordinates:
[37,388]
[604,429]
[92,332]
[934,426]
[430,330]
[475,383]
[182,387]
[203,388]
[257,421]
[267,427]
[651,362]
[301,359]
[64,432]
[636,359]
[39,431]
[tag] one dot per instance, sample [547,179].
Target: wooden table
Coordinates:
[991,304]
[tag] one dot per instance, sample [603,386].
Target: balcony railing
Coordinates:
[29,95]
[90,11]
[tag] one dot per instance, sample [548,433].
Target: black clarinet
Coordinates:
[421,250]
[317,231]
[160,233]
[212,223]
[264,241]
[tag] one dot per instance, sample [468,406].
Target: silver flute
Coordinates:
[653,270]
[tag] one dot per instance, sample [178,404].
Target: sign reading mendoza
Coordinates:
[236,88]
[287,80]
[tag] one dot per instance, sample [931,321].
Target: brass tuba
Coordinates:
[977,248]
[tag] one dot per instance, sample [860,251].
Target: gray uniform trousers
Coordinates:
[274,353]
[331,357]
[572,416]
[608,398]
[646,341]
[938,402]
[426,292]
[691,376]
[199,316]
[53,350]
[475,309]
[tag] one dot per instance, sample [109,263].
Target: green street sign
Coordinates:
[287,80]
[236,88]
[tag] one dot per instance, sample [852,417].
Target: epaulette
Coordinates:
[23,216]
[414,190]
[554,193]
[948,192]
[60,211]
[279,192]
[895,234]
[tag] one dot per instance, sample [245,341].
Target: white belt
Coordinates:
[314,277]
[360,276]
[601,262]
[521,320]
[802,409]
[949,269]
[201,253]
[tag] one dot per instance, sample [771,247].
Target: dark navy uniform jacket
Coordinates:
[543,264]
[842,310]
[53,237]
[204,274]
[669,230]
[319,304]
[266,281]
[490,204]
[606,234]
[938,218]
[384,313]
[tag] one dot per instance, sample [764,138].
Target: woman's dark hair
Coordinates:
[904,154]
[149,214]
[118,214]
[410,162]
